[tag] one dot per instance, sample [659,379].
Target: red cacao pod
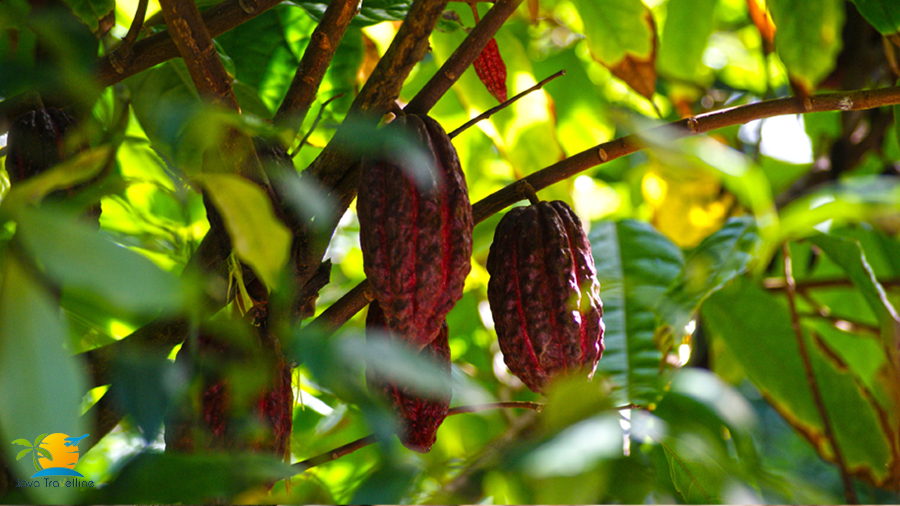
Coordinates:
[415,232]
[37,142]
[544,294]
[420,417]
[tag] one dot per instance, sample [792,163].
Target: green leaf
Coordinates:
[616,29]
[689,23]
[757,329]
[89,266]
[808,37]
[22,453]
[169,478]
[371,12]
[40,384]
[43,452]
[849,255]
[694,473]
[635,265]
[23,442]
[78,169]
[258,236]
[91,11]
[884,15]
[715,261]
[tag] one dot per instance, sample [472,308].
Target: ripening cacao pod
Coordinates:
[415,229]
[544,294]
[254,416]
[37,142]
[420,417]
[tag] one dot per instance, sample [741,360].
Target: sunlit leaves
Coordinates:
[757,328]
[688,26]
[258,237]
[884,15]
[40,384]
[635,265]
[808,37]
[621,35]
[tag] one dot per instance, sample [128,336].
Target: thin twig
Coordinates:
[462,57]
[160,47]
[791,290]
[775,284]
[315,122]
[837,320]
[362,442]
[316,59]
[122,55]
[494,110]
[854,100]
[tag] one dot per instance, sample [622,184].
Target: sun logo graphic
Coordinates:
[52,455]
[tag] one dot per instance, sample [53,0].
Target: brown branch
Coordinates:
[316,58]
[853,100]
[122,55]
[462,57]
[776,284]
[494,110]
[608,151]
[791,290]
[195,45]
[362,442]
[315,123]
[380,91]
[160,47]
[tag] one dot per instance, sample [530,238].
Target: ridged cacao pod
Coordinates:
[544,294]
[415,232]
[234,417]
[420,417]
[37,142]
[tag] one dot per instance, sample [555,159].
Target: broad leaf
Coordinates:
[715,261]
[371,12]
[849,255]
[616,29]
[689,23]
[884,15]
[257,235]
[169,478]
[92,11]
[40,384]
[757,329]
[635,265]
[90,267]
[808,37]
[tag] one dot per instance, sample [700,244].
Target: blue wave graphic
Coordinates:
[57,471]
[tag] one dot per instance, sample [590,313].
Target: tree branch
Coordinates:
[351,447]
[380,91]
[494,110]
[602,153]
[316,58]
[462,57]
[777,284]
[122,55]
[791,290]
[160,47]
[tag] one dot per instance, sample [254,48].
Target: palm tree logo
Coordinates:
[35,449]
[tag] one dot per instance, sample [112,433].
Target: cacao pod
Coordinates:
[544,294]
[250,416]
[420,417]
[38,141]
[415,231]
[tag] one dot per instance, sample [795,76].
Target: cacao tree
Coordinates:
[691,296]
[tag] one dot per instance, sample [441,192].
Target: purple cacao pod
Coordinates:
[420,417]
[544,294]
[416,232]
[37,142]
